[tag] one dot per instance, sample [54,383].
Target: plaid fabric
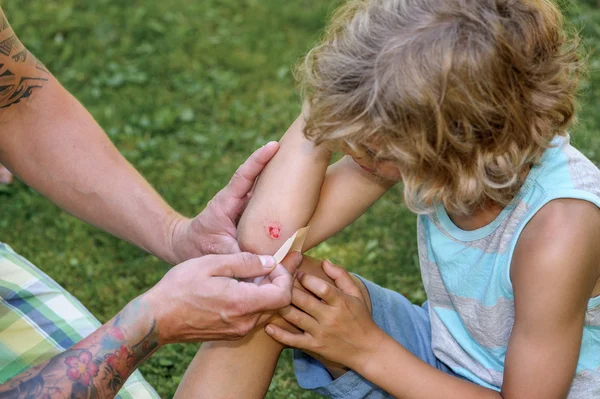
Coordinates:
[39,319]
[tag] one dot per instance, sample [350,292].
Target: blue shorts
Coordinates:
[406,323]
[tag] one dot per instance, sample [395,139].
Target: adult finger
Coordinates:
[298,318]
[290,263]
[321,288]
[342,278]
[243,179]
[301,341]
[274,295]
[240,265]
[308,303]
[281,278]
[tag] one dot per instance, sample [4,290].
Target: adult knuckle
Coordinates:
[225,316]
[238,175]
[237,334]
[247,326]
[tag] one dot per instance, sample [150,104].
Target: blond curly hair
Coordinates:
[465,95]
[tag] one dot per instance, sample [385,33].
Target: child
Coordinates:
[468,103]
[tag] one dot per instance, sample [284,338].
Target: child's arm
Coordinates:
[554,271]
[347,192]
[298,188]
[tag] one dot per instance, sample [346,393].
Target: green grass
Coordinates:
[187,89]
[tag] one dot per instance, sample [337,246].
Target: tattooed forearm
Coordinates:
[21,74]
[98,366]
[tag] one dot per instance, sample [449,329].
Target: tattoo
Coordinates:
[21,74]
[20,57]
[7,46]
[98,366]
[40,66]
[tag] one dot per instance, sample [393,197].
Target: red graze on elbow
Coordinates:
[274,231]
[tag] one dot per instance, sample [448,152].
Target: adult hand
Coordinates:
[203,299]
[214,230]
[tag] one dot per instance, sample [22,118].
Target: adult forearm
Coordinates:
[96,367]
[405,376]
[54,145]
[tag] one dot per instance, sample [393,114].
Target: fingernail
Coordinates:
[267,261]
[269,330]
[300,275]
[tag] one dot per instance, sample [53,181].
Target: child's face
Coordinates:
[366,158]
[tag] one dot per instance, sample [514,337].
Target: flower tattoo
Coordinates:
[81,368]
[121,361]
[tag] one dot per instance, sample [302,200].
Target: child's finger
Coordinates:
[342,278]
[301,341]
[298,318]
[308,303]
[321,288]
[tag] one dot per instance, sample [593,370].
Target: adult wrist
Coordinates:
[156,314]
[174,232]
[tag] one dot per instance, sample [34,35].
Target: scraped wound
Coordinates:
[274,232]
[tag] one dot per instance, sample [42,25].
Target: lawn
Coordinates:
[186,90]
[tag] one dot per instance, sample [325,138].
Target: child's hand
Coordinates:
[336,321]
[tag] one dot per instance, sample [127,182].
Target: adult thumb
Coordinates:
[243,265]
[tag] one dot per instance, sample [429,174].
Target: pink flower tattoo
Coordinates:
[81,368]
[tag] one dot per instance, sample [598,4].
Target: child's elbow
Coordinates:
[260,236]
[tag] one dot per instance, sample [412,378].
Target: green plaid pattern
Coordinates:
[39,319]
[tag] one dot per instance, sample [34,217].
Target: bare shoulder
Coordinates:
[560,245]
[21,74]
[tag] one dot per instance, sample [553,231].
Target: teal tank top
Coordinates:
[466,275]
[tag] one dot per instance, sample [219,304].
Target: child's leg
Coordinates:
[238,369]
[244,368]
